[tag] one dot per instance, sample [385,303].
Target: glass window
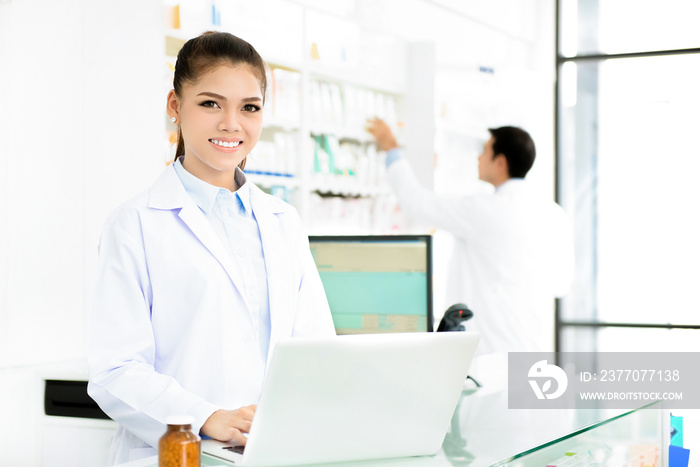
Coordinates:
[631,182]
[630,340]
[622,26]
[628,164]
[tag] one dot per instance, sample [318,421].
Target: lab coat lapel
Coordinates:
[168,193]
[266,212]
[203,230]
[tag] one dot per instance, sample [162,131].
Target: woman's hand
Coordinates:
[227,425]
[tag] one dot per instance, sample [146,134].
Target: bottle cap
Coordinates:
[179,420]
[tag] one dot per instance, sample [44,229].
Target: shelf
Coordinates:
[351,193]
[178,34]
[268,180]
[176,38]
[278,125]
[343,134]
[346,187]
[355,78]
[283,64]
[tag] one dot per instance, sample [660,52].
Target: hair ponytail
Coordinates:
[180,148]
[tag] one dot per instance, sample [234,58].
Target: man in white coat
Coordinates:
[513,250]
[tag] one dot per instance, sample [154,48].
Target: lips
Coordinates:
[225,144]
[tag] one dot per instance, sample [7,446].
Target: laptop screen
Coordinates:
[376,283]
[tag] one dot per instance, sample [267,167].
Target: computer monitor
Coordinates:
[376,283]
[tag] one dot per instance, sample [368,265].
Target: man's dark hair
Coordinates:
[517,146]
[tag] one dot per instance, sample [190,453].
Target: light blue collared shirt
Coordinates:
[392,155]
[232,217]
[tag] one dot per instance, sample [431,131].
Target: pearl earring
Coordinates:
[173,119]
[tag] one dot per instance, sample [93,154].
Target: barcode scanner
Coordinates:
[452,321]
[454,317]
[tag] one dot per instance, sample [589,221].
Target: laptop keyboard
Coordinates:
[236,449]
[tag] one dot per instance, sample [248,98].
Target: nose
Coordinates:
[229,121]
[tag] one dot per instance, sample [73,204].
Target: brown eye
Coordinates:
[251,108]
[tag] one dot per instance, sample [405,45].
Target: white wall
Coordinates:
[42,178]
[81,130]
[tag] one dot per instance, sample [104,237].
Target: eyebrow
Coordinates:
[220,97]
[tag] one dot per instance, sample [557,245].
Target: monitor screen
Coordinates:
[376,283]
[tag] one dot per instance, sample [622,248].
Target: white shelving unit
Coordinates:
[314,151]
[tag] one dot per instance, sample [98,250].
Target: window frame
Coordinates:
[561,324]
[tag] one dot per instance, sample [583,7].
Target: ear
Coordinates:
[172,107]
[501,163]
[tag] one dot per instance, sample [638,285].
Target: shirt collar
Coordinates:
[243,191]
[204,194]
[510,183]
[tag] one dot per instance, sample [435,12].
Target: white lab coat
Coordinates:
[171,332]
[513,253]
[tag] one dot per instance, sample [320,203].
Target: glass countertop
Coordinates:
[484,432]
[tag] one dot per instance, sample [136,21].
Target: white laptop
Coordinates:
[355,397]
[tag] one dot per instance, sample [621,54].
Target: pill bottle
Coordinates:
[179,446]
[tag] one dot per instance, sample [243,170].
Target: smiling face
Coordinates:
[220,117]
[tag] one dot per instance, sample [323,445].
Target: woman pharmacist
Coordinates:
[203,273]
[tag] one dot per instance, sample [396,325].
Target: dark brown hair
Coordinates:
[211,49]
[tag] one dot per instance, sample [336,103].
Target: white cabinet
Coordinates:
[75,442]
[74,431]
